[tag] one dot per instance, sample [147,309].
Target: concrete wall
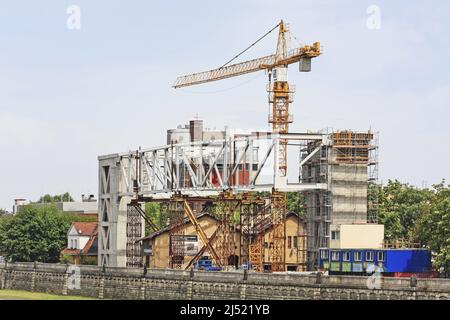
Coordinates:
[84,207]
[369,236]
[121,283]
[81,242]
[349,190]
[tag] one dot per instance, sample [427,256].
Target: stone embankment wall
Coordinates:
[120,283]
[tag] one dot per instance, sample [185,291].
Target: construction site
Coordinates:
[225,193]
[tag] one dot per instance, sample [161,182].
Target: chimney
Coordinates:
[196,130]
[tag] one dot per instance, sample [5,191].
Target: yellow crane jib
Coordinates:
[282,57]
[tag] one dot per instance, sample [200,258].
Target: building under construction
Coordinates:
[242,180]
[348,165]
[231,180]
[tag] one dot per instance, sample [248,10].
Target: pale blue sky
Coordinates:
[67,96]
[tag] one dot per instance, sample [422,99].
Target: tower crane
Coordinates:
[280,96]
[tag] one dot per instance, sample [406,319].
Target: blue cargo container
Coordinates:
[408,260]
[361,261]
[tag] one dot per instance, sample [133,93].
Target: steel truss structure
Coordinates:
[239,164]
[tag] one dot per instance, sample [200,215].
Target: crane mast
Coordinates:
[280,124]
[280,96]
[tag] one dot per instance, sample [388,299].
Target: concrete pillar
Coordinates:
[112,213]
[65,286]
[190,285]
[142,289]
[101,287]
[189,290]
[243,286]
[2,279]
[317,292]
[33,277]
[5,277]
[243,291]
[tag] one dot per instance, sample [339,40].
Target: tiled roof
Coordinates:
[85,228]
[92,243]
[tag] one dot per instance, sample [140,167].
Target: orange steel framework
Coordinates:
[224,212]
[352,147]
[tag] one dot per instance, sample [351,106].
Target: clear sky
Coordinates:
[67,96]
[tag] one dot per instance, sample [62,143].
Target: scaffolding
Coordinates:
[349,167]
[225,209]
[176,234]
[277,235]
[352,147]
[134,233]
[373,190]
[254,216]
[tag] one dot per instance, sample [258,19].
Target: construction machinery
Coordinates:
[280,97]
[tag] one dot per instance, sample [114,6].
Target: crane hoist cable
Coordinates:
[246,49]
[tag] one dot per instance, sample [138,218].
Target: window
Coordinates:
[335,255]
[266,245]
[380,256]
[71,244]
[295,242]
[369,255]
[191,238]
[75,243]
[324,254]
[289,242]
[357,256]
[335,235]
[346,256]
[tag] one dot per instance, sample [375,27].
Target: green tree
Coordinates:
[157,214]
[2,212]
[65,197]
[434,227]
[401,206]
[35,234]
[296,203]
[419,215]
